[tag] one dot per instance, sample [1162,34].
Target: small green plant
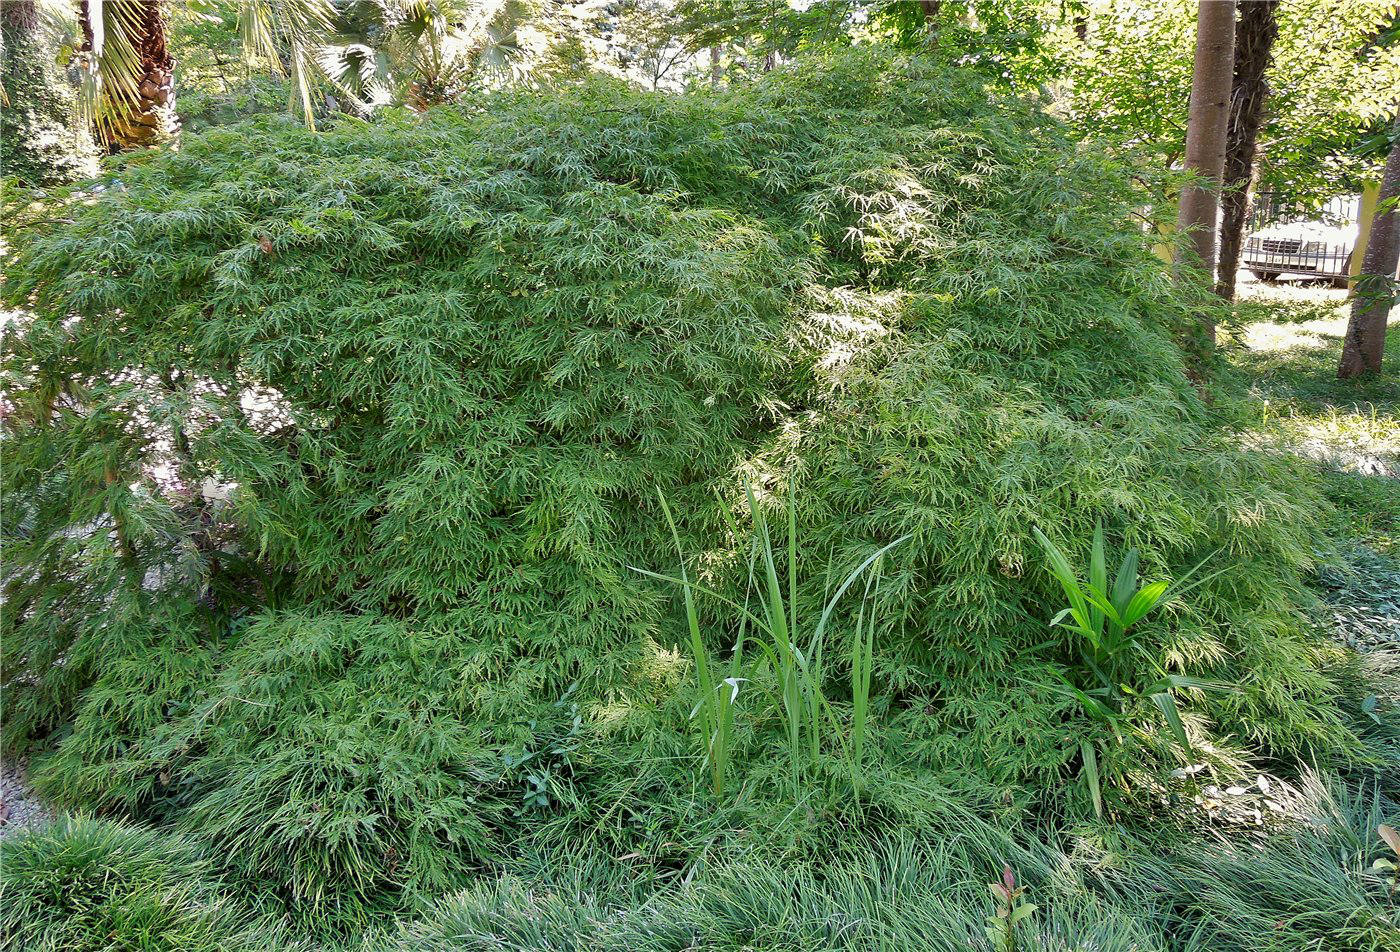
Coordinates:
[1011,908]
[1120,669]
[794,660]
[88,885]
[861,661]
[714,711]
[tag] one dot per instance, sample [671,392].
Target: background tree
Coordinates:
[1127,87]
[1254,40]
[43,144]
[1335,70]
[1364,347]
[647,43]
[1205,132]
[128,72]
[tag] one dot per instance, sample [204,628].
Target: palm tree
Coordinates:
[425,52]
[418,52]
[128,74]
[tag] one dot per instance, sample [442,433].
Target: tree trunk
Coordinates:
[1364,347]
[931,9]
[1370,198]
[1205,135]
[1254,42]
[151,117]
[714,66]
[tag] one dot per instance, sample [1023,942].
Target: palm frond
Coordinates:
[109,92]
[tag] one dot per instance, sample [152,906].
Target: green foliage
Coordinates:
[1310,889]
[1011,908]
[1309,886]
[716,704]
[386,407]
[1122,674]
[203,108]
[332,760]
[791,652]
[892,895]
[86,885]
[1128,81]
[38,133]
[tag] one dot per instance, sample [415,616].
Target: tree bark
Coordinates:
[931,9]
[1364,346]
[151,117]
[714,67]
[1254,42]
[20,14]
[1205,135]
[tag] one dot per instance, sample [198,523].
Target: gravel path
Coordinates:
[19,807]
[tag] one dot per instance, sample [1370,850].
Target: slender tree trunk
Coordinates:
[714,66]
[931,9]
[1254,42]
[1366,216]
[1205,134]
[151,117]
[1364,347]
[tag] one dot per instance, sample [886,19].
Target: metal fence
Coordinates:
[1282,253]
[1270,208]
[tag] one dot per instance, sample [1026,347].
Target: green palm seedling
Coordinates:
[1120,669]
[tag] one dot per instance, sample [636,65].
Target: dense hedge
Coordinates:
[357,431]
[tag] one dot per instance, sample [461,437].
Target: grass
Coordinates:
[1351,429]
[98,885]
[789,654]
[1288,358]
[1309,888]
[85,885]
